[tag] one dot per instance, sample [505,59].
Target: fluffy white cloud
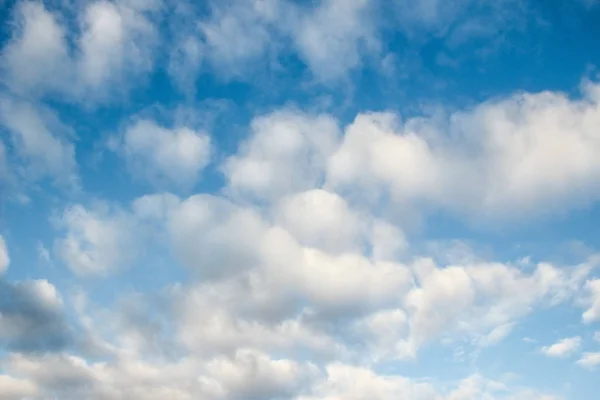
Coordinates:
[286,153]
[529,153]
[372,154]
[96,241]
[166,156]
[37,57]
[115,42]
[40,140]
[333,37]
[592,314]
[299,286]
[4,258]
[589,360]
[563,348]
[293,283]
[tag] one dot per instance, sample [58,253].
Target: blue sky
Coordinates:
[306,200]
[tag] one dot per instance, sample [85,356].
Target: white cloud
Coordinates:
[166,156]
[115,43]
[372,154]
[4,258]
[277,274]
[528,153]
[36,58]
[592,314]
[17,389]
[334,37]
[589,360]
[286,153]
[40,140]
[101,42]
[563,348]
[96,242]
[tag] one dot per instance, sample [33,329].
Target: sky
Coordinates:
[303,200]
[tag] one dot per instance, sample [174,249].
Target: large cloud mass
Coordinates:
[290,261]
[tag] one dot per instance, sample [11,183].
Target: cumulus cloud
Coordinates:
[592,314]
[589,360]
[529,153]
[115,42]
[36,59]
[563,348]
[281,282]
[31,317]
[41,142]
[279,294]
[166,156]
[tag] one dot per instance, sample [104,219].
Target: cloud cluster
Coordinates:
[527,154]
[245,375]
[82,49]
[114,42]
[301,279]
